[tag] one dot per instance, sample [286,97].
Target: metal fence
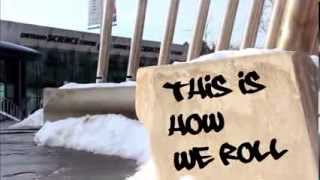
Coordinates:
[9,110]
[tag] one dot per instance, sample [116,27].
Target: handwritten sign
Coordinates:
[242,118]
[208,87]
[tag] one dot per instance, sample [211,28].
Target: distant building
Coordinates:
[68,56]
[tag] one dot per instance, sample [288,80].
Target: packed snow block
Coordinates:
[64,103]
[252,117]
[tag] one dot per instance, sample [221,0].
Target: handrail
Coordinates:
[9,116]
[9,109]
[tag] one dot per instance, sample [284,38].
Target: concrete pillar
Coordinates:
[275,24]
[105,41]
[198,31]
[134,57]
[227,27]
[252,27]
[299,27]
[164,56]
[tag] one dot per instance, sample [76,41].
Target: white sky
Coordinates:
[73,14]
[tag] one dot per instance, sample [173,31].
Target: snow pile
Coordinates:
[100,134]
[98,85]
[35,120]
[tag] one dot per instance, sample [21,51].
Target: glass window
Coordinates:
[2,90]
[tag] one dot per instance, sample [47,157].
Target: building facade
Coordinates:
[69,56]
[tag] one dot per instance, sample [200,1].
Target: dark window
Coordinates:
[88,43]
[120,46]
[177,53]
[33,36]
[150,49]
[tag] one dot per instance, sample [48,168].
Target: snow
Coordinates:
[35,120]
[148,172]
[315,60]
[220,55]
[98,85]
[111,134]
[145,172]
[101,134]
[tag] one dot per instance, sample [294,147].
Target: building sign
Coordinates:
[58,39]
[238,119]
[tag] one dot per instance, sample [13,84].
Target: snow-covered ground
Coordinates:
[100,134]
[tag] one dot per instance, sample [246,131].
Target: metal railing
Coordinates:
[293,26]
[9,110]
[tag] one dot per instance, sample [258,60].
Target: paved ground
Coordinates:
[21,159]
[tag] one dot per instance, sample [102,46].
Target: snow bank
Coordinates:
[35,120]
[100,134]
[98,85]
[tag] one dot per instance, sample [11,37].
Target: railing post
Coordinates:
[164,55]
[134,57]
[105,41]
[311,30]
[252,27]
[299,26]
[198,31]
[275,24]
[227,26]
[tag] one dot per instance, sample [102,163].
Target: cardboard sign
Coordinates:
[244,118]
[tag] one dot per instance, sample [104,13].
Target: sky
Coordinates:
[73,14]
